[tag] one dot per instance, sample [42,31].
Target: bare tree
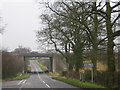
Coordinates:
[2,27]
[12,64]
[22,50]
[75,26]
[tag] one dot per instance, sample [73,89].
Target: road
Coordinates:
[35,81]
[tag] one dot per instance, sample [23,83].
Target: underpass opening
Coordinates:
[39,58]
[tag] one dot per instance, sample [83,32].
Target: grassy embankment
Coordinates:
[29,68]
[53,74]
[17,77]
[78,83]
[44,68]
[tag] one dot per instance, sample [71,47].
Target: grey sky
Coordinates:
[22,19]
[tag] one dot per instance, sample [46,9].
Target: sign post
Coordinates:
[81,71]
[80,76]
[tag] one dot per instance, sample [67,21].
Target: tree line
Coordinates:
[12,64]
[77,28]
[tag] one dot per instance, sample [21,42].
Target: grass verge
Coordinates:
[54,74]
[29,68]
[16,77]
[78,83]
[41,66]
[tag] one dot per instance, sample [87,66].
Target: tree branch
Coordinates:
[116,19]
[116,5]
[56,12]
[117,33]
[114,11]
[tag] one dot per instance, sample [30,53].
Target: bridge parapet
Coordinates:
[38,55]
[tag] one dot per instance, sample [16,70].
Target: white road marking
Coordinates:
[20,82]
[47,85]
[43,81]
[40,78]
[24,81]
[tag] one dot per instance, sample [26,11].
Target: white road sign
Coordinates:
[82,71]
[88,65]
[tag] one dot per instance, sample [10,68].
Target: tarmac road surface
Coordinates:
[36,81]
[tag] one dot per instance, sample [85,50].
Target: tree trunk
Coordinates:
[95,44]
[78,55]
[110,45]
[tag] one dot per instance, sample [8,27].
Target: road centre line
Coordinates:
[43,81]
[40,78]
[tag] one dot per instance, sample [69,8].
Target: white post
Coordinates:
[84,76]
[80,77]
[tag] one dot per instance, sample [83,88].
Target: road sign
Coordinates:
[88,65]
[87,68]
[87,61]
[81,71]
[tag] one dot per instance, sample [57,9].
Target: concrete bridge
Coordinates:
[56,61]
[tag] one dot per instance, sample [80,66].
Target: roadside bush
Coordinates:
[102,78]
[71,74]
[74,74]
[11,64]
[88,76]
[64,73]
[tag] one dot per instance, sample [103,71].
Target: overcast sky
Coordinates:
[21,17]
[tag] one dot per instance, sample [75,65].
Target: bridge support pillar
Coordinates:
[51,64]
